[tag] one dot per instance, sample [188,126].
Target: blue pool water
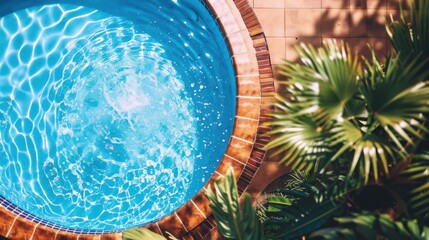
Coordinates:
[111,115]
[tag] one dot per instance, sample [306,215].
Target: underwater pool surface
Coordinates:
[111,117]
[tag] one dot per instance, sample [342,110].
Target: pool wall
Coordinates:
[255,89]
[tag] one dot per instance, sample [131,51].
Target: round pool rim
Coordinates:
[245,151]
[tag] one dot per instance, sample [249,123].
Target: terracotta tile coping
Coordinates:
[244,154]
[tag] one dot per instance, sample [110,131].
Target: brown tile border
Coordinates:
[255,88]
[245,152]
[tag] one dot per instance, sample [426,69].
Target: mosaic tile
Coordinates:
[154,228]
[248,86]
[228,163]
[113,236]
[190,215]
[245,64]
[22,229]
[172,225]
[239,149]
[6,222]
[88,237]
[202,202]
[66,236]
[248,107]
[42,232]
[245,129]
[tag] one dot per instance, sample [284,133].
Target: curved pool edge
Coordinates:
[255,90]
[245,154]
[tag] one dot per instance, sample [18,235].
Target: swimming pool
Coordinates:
[111,117]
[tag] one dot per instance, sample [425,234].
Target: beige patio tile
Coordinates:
[376,19]
[277,48]
[303,4]
[336,23]
[360,45]
[269,4]
[272,21]
[358,27]
[292,42]
[303,22]
[358,4]
[335,3]
[368,4]
[376,4]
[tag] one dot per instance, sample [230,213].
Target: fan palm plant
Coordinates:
[368,122]
[335,112]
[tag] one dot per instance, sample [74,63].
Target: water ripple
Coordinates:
[104,123]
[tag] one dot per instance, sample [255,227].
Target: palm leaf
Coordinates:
[365,152]
[410,37]
[329,74]
[308,202]
[141,234]
[321,86]
[300,137]
[418,195]
[232,222]
[397,99]
[309,222]
[354,109]
[369,226]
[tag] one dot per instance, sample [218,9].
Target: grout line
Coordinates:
[247,75]
[245,118]
[246,141]
[236,160]
[199,210]
[248,97]
[219,174]
[35,228]
[11,226]
[180,220]
[157,225]
[56,233]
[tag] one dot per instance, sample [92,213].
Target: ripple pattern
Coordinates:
[106,123]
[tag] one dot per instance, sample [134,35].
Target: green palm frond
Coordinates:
[141,234]
[397,99]
[371,226]
[417,173]
[231,221]
[410,37]
[306,203]
[365,152]
[320,93]
[301,140]
[306,223]
[354,109]
[329,74]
